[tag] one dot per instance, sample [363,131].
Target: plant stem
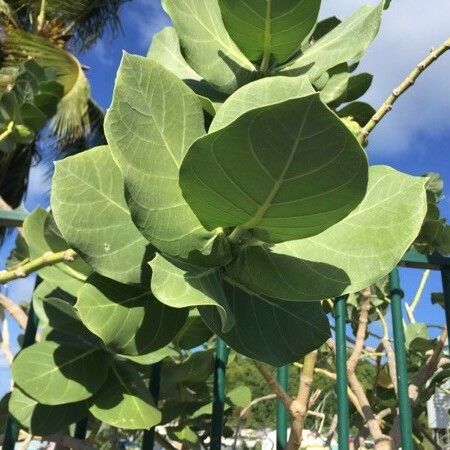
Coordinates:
[47,259]
[41,16]
[236,234]
[8,131]
[402,88]
[300,405]
[267,39]
[411,308]
[14,310]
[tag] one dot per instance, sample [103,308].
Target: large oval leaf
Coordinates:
[265,29]
[260,93]
[270,330]
[89,206]
[56,374]
[40,419]
[165,50]
[124,401]
[347,257]
[344,43]
[129,320]
[181,285]
[285,171]
[153,119]
[208,47]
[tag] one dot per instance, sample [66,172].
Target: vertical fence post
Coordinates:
[220,364]
[153,386]
[282,419]
[340,312]
[81,429]
[12,428]
[400,361]
[445,273]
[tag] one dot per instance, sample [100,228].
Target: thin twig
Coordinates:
[402,88]
[14,310]
[47,259]
[412,307]
[274,386]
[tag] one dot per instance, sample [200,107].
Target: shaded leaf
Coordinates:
[181,285]
[124,401]
[128,319]
[270,330]
[56,374]
[361,112]
[193,333]
[350,255]
[283,171]
[269,27]
[41,419]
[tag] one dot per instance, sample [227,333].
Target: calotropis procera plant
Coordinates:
[234,186]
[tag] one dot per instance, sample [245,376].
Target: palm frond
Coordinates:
[85,20]
[71,119]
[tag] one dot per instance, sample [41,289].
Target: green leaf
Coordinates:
[361,112]
[66,289]
[196,369]
[4,411]
[56,374]
[89,206]
[148,142]
[127,319]
[240,396]
[284,171]
[208,47]
[343,44]
[124,401]
[40,419]
[323,27]
[417,338]
[270,330]
[263,92]
[336,86]
[358,85]
[350,255]
[153,357]
[62,316]
[165,50]
[264,29]
[42,236]
[181,285]
[194,332]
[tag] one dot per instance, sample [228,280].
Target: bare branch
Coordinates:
[14,310]
[402,88]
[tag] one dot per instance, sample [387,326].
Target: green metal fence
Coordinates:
[412,259]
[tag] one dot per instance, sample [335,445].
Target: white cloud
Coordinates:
[409,29]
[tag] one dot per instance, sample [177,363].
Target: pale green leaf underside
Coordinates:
[89,207]
[153,120]
[165,49]
[265,91]
[208,47]
[56,374]
[153,357]
[127,319]
[181,285]
[286,171]
[274,27]
[270,330]
[345,43]
[41,419]
[350,255]
[124,401]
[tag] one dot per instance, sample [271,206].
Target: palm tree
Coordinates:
[51,32]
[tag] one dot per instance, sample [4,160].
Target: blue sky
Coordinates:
[414,138]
